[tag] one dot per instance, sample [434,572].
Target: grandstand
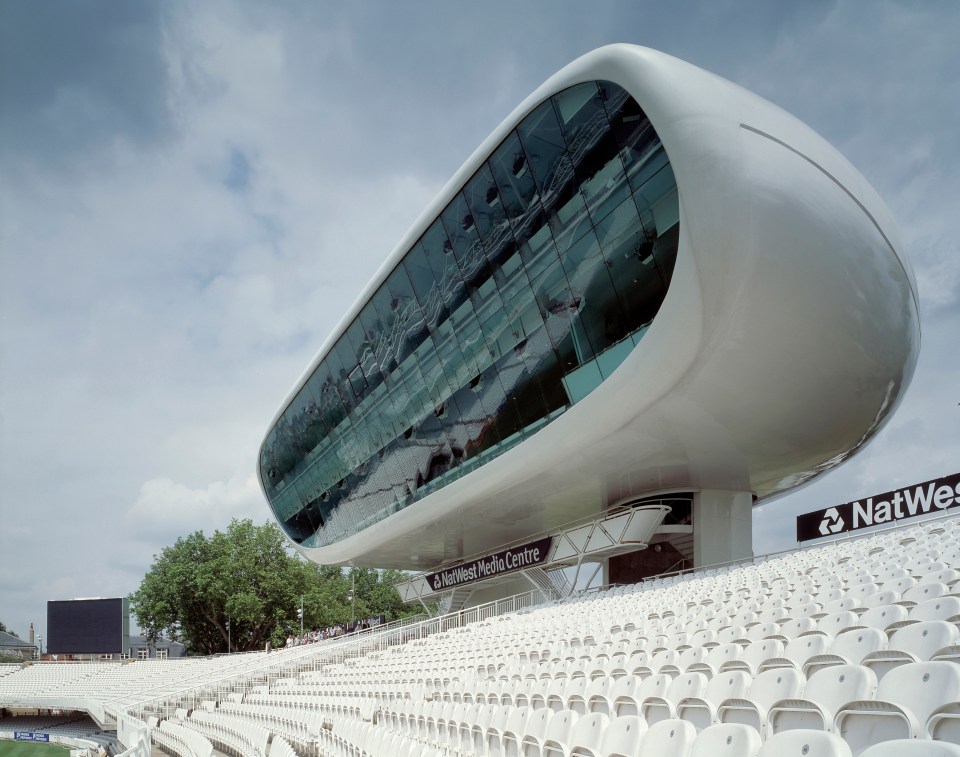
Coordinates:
[845,648]
[560,363]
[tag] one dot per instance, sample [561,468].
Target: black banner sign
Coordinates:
[900,504]
[511,559]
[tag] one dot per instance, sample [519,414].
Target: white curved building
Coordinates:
[646,283]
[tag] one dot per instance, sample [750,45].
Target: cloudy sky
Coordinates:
[191,195]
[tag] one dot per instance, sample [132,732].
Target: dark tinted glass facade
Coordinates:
[529,289]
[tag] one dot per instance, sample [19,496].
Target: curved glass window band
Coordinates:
[526,292]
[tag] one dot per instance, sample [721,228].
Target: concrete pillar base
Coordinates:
[722,527]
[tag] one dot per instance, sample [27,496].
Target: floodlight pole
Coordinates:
[229,645]
[301,618]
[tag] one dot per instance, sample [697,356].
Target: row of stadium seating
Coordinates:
[858,638]
[845,648]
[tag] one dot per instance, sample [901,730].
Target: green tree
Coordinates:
[247,576]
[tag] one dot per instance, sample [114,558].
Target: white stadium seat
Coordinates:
[912,748]
[726,740]
[824,693]
[906,698]
[803,743]
[668,737]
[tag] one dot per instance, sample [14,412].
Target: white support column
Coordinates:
[722,527]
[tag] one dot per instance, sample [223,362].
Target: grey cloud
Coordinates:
[75,76]
[238,172]
[255,164]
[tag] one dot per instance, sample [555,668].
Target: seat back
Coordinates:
[726,740]
[924,639]
[722,654]
[560,726]
[837,622]
[760,651]
[883,616]
[668,737]
[834,686]
[921,687]
[924,591]
[537,722]
[802,648]
[791,629]
[936,608]
[732,684]
[588,731]
[654,686]
[804,743]
[882,597]
[778,683]
[622,736]
[513,731]
[686,685]
[731,633]
[911,748]
[857,643]
[762,630]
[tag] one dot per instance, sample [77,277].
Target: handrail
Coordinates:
[317,655]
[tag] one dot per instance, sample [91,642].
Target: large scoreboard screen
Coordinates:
[88,626]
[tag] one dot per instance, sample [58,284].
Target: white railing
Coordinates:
[319,655]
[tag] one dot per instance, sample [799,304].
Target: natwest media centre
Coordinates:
[647,302]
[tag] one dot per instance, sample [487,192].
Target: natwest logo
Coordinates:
[831,523]
[899,504]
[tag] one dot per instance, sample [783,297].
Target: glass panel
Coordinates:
[451,291]
[496,334]
[374,339]
[593,149]
[364,364]
[590,282]
[407,317]
[511,172]
[632,130]
[461,228]
[510,276]
[328,399]
[582,381]
[581,115]
[628,250]
[558,308]
[538,252]
[344,361]
[390,333]
[543,144]
[469,337]
[485,206]
[422,275]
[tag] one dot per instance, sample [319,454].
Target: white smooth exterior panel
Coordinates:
[787,337]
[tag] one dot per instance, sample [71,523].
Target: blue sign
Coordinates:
[30,736]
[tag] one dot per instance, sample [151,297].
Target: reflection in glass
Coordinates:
[529,289]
